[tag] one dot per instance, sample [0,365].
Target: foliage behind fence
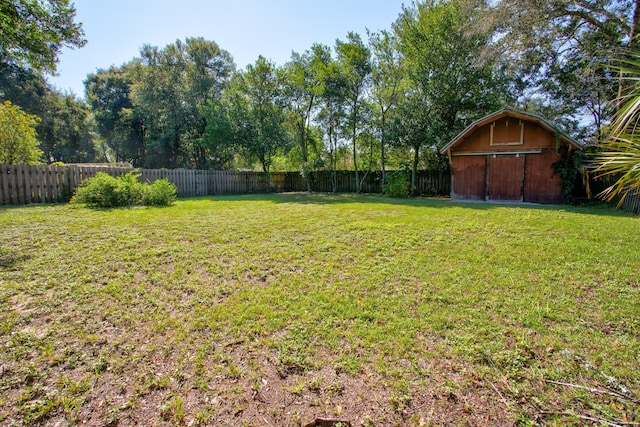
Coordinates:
[20,184]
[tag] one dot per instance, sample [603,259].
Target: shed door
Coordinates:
[469,175]
[505,177]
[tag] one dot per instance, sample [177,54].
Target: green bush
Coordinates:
[99,191]
[160,193]
[129,191]
[397,184]
[105,191]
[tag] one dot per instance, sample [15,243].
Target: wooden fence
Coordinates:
[428,183]
[21,184]
[598,184]
[631,203]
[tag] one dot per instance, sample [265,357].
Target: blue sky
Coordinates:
[117,29]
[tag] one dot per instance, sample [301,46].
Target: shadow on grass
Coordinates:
[599,209]
[92,208]
[30,206]
[9,259]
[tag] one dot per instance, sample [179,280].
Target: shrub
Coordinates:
[397,184]
[105,191]
[160,193]
[99,191]
[129,191]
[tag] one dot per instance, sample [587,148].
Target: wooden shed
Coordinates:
[508,156]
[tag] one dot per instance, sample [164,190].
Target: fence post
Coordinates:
[5,198]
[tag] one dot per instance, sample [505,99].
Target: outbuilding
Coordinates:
[508,156]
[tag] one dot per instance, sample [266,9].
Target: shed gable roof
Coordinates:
[506,112]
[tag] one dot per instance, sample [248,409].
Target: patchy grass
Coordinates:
[275,310]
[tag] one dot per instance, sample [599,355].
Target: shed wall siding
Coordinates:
[535,137]
[528,177]
[542,184]
[505,176]
[469,174]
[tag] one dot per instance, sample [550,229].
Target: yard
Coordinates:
[277,309]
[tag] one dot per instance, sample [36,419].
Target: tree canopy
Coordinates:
[35,31]
[562,52]
[18,144]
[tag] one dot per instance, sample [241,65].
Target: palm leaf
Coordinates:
[620,150]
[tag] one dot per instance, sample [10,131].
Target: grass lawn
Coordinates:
[272,310]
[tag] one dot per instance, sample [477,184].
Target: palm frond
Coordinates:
[619,156]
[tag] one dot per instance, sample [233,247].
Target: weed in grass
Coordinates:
[174,410]
[294,352]
[7,322]
[205,416]
[37,410]
[368,422]
[348,364]
[101,365]
[335,389]
[297,387]
[315,384]
[274,412]
[111,417]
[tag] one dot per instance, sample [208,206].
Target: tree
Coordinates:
[217,139]
[257,112]
[302,89]
[176,81]
[64,132]
[354,60]
[443,62]
[208,71]
[18,144]
[412,127]
[34,32]
[563,50]
[620,151]
[449,86]
[388,80]
[24,87]
[332,113]
[63,129]
[118,123]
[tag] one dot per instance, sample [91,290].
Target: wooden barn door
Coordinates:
[505,177]
[469,175]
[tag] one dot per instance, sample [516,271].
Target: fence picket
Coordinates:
[4,187]
[29,184]
[35,184]
[41,175]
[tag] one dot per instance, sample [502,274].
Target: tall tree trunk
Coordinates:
[414,169]
[633,41]
[142,149]
[355,160]
[304,147]
[305,152]
[266,170]
[333,161]
[382,142]
[635,25]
